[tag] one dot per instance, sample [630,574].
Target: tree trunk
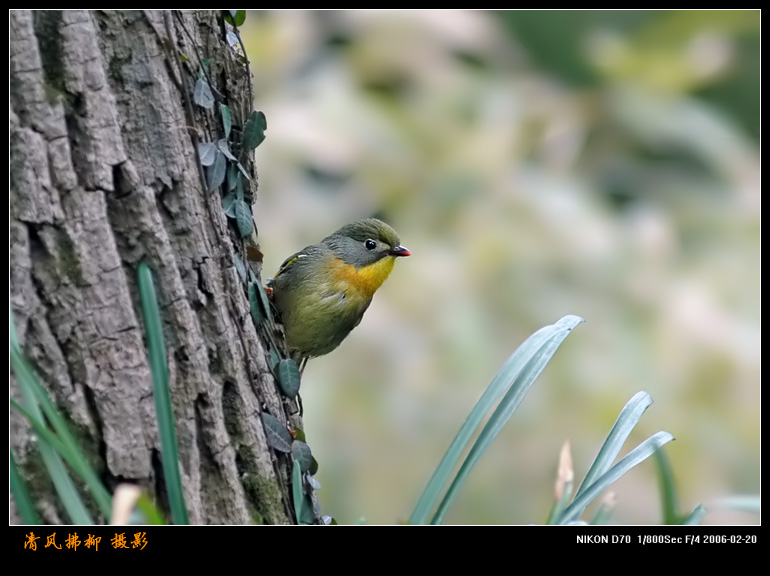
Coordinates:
[105,174]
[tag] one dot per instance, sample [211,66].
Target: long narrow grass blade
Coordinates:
[500,383]
[51,449]
[43,432]
[65,488]
[533,364]
[696,516]
[21,495]
[165,414]
[625,423]
[12,328]
[62,440]
[71,500]
[742,503]
[636,456]
[668,493]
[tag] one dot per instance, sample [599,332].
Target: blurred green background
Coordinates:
[537,164]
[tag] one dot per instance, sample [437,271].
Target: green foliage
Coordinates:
[232,177]
[278,436]
[696,516]
[235,17]
[243,217]
[669,497]
[21,496]
[165,414]
[254,130]
[225,149]
[297,493]
[56,442]
[512,383]
[593,489]
[215,174]
[243,171]
[202,94]
[623,426]
[223,167]
[288,377]
[227,119]
[258,314]
[207,152]
[302,454]
[228,204]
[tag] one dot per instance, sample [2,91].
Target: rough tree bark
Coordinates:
[104,174]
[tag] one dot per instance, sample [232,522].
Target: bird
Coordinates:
[321,292]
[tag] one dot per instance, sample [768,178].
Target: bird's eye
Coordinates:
[370,244]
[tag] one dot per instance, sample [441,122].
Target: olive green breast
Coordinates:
[317,309]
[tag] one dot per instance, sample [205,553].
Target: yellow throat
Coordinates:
[367,278]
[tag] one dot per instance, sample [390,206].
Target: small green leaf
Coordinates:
[288,379]
[241,268]
[278,436]
[227,119]
[235,17]
[228,204]
[695,516]
[274,358]
[243,171]
[306,516]
[302,454]
[224,148]
[254,130]
[232,39]
[312,482]
[257,313]
[243,217]
[297,490]
[202,95]
[207,152]
[216,173]
[262,300]
[232,176]
[239,189]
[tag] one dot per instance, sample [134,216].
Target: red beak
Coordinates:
[399,251]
